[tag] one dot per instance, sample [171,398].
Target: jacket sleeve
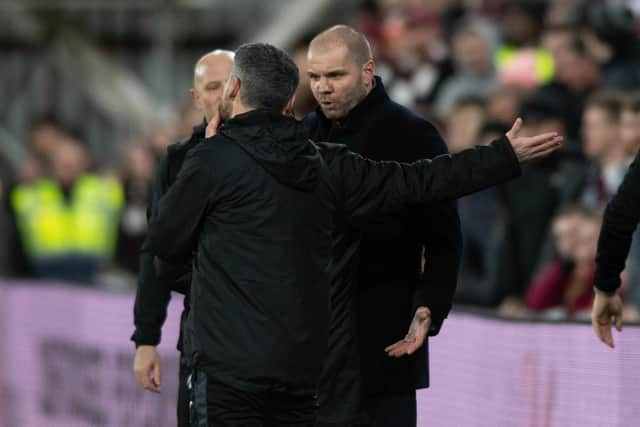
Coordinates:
[621,218]
[370,188]
[438,226]
[175,225]
[152,295]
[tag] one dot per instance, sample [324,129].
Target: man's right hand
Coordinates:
[533,147]
[146,366]
[212,127]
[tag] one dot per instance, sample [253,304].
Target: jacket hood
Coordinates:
[279,144]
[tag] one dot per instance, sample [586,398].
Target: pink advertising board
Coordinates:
[66,360]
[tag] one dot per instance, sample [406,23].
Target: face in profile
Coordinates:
[338,84]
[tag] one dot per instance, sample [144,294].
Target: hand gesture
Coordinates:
[415,337]
[606,311]
[533,147]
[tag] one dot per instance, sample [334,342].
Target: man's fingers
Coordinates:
[603,330]
[157,378]
[618,321]
[394,346]
[140,377]
[534,141]
[544,150]
[398,351]
[212,127]
[145,381]
[552,142]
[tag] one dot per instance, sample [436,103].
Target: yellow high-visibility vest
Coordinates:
[543,61]
[86,223]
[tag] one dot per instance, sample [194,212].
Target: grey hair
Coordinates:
[268,76]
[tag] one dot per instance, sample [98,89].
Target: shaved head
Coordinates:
[209,76]
[341,70]
[214,58]
[354,41]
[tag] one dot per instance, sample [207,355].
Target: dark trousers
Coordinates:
[183,392]
[215,404]
[393,410]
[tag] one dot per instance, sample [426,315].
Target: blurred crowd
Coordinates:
[470,67]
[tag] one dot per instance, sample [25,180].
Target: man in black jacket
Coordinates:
[621,218]
[154,290]
[258,205]
[386,282]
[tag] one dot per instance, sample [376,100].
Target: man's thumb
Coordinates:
[515,129]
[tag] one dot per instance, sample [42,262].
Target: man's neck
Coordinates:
[240,108]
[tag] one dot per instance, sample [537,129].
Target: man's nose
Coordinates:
[324,86]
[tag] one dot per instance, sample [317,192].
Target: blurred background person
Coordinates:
[68,217]
[530,203]
[473,49]
[481,217]
[564,287]
[611,34]
[603,147]
[136,178]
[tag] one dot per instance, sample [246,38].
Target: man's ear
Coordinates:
[368,71]
[235,87]
[288,110]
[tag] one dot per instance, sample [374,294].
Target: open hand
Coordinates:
[532,147]
[415,337]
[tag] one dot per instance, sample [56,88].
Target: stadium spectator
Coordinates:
[136,181]
[603,148]
[613,37]
[530,203]
[473,45]
[567,282]
[520,60]
[576,76]
[481,218]
[68,221]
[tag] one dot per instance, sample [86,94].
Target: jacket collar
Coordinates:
[199,130]
[257,117]
[361,112]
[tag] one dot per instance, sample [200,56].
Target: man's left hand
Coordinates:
[605,312]
[415,337]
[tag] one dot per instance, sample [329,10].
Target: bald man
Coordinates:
[157,281]
[379,287]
